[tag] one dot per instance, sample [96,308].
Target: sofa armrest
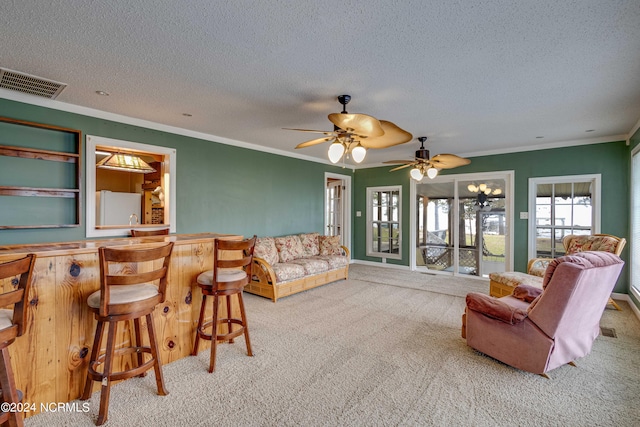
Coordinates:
[346,251]
[262,272]
[494,308]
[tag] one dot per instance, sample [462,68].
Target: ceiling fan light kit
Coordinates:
[422,165]
[336,151]
[416,174]
[358,153]
[353,134]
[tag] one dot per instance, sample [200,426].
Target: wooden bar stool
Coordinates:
[13,324]
[127,292]
[144,233]
[228,278]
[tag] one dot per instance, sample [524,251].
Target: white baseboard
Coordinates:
[627,298]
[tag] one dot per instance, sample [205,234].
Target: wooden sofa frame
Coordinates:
[264,282]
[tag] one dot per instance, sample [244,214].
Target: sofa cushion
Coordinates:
[286,271]
[334,261]
[289,248]
[312,265]
[329,245]
[515,278]
[265,248]
[310,244]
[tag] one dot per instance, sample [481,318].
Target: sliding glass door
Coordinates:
[462,223]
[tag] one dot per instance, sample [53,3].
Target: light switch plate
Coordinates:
[358,213]
[524,215]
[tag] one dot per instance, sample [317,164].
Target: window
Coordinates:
[635,221]
[383,222]
[559,206]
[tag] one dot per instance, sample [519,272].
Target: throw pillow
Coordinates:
[310,244]
[329,245]
[289,248]
[266,249]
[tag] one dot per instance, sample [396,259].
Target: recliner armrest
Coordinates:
[494,308]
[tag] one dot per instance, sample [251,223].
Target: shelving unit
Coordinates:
[33,153]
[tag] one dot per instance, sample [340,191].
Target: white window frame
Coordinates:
[90,169]
[566,179]
[383,255]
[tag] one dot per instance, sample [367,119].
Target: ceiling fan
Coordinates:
[355,133]
[422,165]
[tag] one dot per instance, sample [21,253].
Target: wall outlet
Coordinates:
[358,213]
[524,215]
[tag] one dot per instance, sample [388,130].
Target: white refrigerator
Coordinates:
[113,208]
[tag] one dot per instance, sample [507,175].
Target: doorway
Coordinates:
[337,207]
[461,224]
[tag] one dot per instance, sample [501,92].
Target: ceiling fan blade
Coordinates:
[399,161]
[448,161]
[325,132]
[393,135]
[402,167]
[359,124]
[315,142]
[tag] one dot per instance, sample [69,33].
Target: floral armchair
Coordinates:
[502,283]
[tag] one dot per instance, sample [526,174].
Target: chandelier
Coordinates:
[482,202]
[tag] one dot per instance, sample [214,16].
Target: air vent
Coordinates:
[608,332]
[33,85]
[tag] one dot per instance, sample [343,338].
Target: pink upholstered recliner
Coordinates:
[538,330]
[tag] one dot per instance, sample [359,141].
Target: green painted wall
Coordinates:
[609,159]
[220,188]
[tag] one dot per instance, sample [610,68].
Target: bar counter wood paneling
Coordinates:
[51,358]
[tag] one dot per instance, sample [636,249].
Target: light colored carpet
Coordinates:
[366,353]
[442,284]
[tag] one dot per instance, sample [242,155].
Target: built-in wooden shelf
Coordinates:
[33,153]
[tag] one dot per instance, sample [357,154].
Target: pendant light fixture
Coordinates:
[125,162]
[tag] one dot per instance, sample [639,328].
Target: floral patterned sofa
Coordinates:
[291,264]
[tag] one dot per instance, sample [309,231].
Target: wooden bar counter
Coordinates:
[50,360]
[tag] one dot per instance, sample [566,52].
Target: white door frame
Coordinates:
[346,207]
[508,176]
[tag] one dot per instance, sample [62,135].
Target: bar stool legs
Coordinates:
[228,321]
[106,374]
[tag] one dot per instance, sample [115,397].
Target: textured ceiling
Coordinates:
[476,77]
